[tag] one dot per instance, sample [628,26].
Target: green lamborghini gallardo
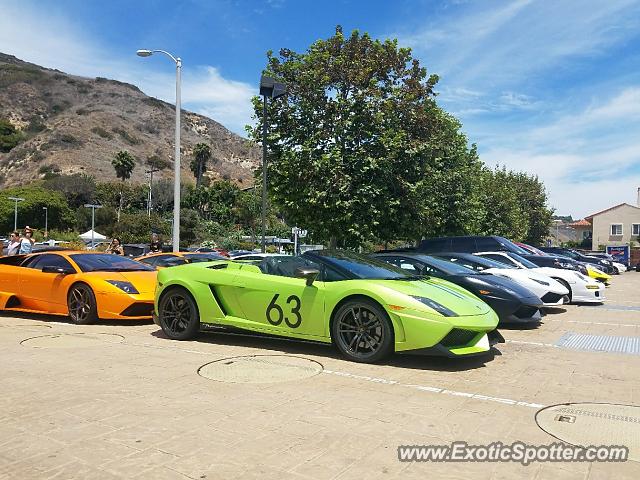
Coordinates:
[367,308]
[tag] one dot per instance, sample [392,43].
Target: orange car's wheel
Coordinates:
[81,301]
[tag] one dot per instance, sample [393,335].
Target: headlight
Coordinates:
[126,287]
[581,276]
[546,284]
[441,309]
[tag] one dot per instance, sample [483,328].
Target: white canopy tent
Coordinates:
[86,236]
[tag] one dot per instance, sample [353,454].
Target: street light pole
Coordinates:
[176,162]
[93,220]
[264,172]
[150,172]
[15,211]
[46,222]
[268,88]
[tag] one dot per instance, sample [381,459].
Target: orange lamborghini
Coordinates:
[85,286]
[172,259]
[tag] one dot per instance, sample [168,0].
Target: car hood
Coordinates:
[529,278]
[504,286]
[144,281]
[445,293]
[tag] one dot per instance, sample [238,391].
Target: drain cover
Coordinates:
[72,340]
[585,424]
[260,369]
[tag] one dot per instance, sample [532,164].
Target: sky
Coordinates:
[548,87]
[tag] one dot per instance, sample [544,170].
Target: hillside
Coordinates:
[75,124]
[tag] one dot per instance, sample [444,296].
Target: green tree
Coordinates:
[502,213]
[78,188]
[9,136]
[532,198]
[201,155]
[123,163]
[30,211]
[350,141]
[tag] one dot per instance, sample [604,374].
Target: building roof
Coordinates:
[588,217]
[580,223]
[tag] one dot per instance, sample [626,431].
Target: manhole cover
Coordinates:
[72,340]
[260,369]
[585,424]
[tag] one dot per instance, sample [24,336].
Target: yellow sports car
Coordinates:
[598,274]
[85,286]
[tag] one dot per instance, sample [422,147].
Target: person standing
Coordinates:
[156,245]
[26,242]
[14,244]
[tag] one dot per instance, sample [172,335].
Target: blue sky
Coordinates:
[552,88]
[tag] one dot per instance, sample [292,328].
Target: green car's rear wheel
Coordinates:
[178,314]
[362,331]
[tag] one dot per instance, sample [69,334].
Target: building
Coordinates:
[617,225]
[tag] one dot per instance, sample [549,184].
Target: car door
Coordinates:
[279,303]
[39,290]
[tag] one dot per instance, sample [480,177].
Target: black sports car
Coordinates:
[601,263]
[512,303]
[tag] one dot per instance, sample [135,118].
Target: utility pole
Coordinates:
[93,220]
[46,222]
[15,211]
[150,172]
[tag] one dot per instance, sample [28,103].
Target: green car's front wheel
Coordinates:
[178,314]
[362,331]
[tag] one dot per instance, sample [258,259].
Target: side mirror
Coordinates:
[309,273]
[57,270]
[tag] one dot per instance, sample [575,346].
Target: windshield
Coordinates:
[105,262]
[475,262]
[521,260]
[447,267]
[204,257]
[362,267]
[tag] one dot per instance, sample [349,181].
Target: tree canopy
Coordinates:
[360,151]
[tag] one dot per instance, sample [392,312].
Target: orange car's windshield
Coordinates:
[105,262]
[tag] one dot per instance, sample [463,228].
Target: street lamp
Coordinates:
[150,172]
[46,222]
[272,89]
[93,220]
[15,211]
[176,163]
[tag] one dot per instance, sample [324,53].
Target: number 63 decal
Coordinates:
[295,310]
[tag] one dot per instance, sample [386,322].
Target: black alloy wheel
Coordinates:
[362,331]
[178,314]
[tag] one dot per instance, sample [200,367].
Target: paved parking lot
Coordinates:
[120,400]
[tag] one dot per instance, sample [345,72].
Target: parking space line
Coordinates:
[537,344]
[613,324]
[442,391]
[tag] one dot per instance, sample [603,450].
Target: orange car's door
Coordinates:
[43,291]
[9,281]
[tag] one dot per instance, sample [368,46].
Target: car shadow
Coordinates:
[520,326]
[554,310]
[46,318]
[302,348]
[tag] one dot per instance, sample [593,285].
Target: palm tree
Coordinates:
[123,163]
[201,155]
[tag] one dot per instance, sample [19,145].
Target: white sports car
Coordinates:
[551,292]
[582,289]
